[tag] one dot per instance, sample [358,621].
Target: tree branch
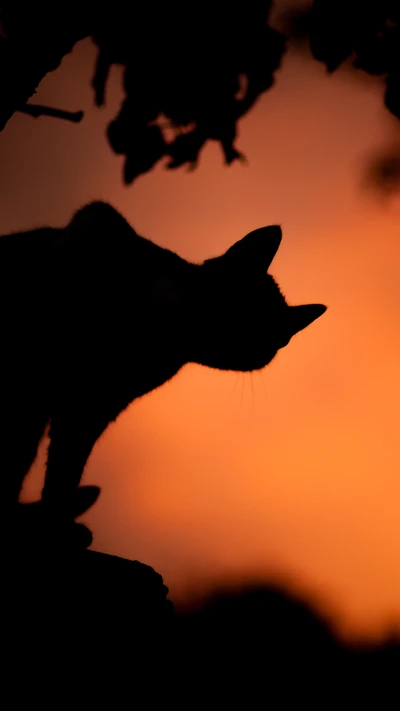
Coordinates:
[29,49]
[37,110]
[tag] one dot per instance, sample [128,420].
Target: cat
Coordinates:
[94,316]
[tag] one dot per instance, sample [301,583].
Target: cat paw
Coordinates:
[50,523]
[61,513]
[78,536]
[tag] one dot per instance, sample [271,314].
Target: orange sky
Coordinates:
[295,472]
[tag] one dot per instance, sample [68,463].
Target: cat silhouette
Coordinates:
[94,316]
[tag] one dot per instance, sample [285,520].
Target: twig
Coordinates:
[37,110]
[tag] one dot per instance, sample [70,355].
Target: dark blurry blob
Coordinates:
[384,171]
[99,631]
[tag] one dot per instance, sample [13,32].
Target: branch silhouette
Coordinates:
[37,110]
[34,38]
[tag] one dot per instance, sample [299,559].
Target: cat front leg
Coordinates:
[21,429]
[72,438]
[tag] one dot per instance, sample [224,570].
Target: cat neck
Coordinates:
[196,290]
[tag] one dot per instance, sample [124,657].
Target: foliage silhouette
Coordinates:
[367,34]
[177,65]
[123,316]
[193,80]
[195,73]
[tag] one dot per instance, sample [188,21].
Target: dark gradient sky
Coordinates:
[293,473]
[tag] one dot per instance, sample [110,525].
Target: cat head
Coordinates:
[242,318]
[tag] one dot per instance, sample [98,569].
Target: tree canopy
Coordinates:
[190,73]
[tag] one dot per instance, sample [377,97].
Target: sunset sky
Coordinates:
[292,474]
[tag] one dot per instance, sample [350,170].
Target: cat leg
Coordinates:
[20,435]
[73,434]
[72,437]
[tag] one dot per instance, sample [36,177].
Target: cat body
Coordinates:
[93,316]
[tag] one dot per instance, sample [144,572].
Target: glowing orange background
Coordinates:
[293,474]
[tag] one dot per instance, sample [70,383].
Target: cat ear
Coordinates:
[301,316]
[257,248]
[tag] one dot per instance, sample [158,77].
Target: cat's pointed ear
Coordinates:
[257,248]
[302,316]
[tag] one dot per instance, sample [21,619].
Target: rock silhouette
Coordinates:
[77,622]
[261,645]
[97,628]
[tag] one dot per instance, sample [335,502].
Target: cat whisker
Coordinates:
[242,390]
[252,390]
[260,373]
[233,391]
